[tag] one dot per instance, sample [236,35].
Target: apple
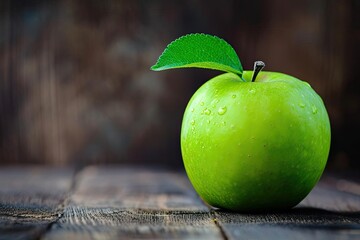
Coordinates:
[255,145]
[250,140]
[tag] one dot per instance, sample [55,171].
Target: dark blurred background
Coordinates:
[75,84]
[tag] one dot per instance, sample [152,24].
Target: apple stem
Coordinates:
[258,66]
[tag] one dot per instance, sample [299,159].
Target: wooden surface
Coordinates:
[31,199]
[115,202]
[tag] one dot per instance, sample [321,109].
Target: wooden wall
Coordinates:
[75,85]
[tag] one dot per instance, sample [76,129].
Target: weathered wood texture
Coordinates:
[31,198]
[134,203]
[123,202]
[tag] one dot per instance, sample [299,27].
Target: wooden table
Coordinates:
[112,202]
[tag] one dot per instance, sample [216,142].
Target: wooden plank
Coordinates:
[332,194]
[117,202]
[327,213]
[122,202]
[31,198]
[126,187]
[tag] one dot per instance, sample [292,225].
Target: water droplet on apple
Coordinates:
[207,111]
[252,91]
[192,110]
[223,123]
[222,110]
[302,105]
[193,128]
[192,122]
[202,103]
[208,121]
[233,96]
[314,110]
[216,100]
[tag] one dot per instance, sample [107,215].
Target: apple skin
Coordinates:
[255,146]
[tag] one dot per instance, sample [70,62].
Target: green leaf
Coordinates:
[200,51]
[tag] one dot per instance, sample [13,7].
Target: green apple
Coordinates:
[250,140]
[254,146]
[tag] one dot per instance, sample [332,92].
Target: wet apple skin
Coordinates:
[255,146]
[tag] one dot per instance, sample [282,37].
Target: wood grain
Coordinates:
[134,203]
[131,202]
[31,198]
[333,194]
[126,187]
